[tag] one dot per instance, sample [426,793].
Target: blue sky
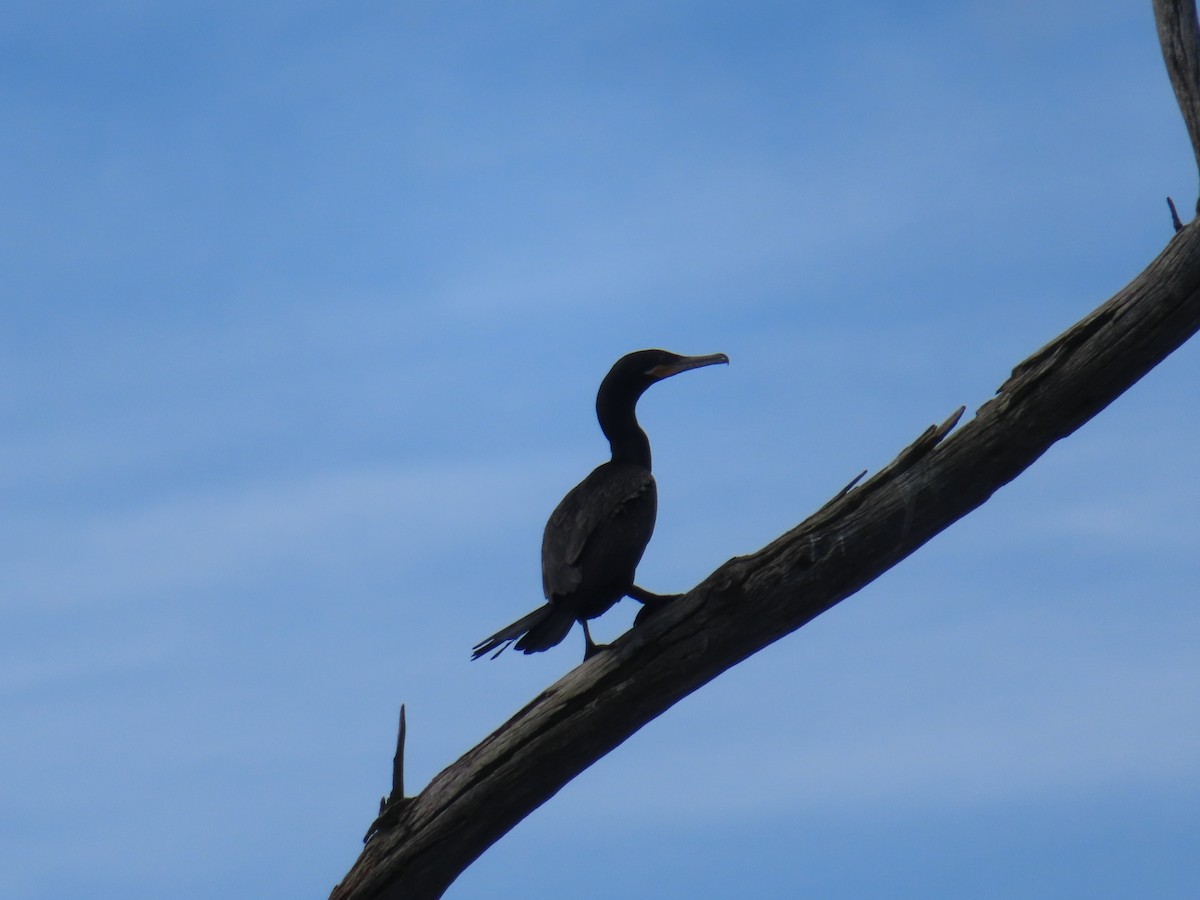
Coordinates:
[305,306]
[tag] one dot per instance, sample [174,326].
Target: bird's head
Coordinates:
[619,392]
[635,372]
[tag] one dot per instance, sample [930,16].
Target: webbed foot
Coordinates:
[651,603]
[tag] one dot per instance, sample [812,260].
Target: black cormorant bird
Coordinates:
[595,538]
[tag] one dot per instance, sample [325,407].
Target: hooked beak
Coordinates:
[688,362]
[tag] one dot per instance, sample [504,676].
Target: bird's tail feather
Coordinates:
[547,632]
[539,630]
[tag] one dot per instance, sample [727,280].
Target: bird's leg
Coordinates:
[641,595]
[590,647]
[651,603]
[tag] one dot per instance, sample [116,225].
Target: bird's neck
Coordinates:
[628,442]
[633,448]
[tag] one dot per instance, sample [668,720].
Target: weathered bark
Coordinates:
[1179,37]
[752,601]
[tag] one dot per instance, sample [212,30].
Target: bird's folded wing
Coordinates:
[605,494]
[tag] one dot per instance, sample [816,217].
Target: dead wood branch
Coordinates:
[752,601]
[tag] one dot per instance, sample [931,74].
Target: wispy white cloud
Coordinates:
[303,301]
[203,537]
[1067,725]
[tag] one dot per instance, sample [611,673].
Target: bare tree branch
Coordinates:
[1179,37]
[752,601]
[393,804]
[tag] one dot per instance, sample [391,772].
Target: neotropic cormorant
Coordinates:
[595,538]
